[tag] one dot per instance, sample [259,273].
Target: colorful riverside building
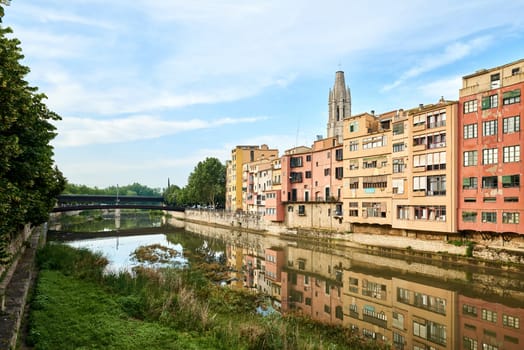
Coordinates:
[240,156]
[401,171]
[312,190]
[490,167]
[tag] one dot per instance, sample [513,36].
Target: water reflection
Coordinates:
[118,250]
[422,307]
[410,303]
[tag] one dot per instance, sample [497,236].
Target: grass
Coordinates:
[76,306]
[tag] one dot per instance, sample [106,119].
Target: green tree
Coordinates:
[207,183]
[29,181]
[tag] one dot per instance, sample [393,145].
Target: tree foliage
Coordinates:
[207,183]
[134,189]
[206,186]
[29,181]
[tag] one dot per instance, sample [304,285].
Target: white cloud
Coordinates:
[451,53]
[86,131]
[447,87]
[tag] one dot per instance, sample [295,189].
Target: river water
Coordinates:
[410,303]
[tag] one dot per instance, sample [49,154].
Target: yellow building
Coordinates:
[400,171]
[240,156]
[367,160]
[424,189]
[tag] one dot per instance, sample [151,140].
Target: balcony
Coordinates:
[419,127]
[421,147]
[375,318]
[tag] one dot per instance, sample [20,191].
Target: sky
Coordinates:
[148,88]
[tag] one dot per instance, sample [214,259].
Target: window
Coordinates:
[486,346]
[511,124]
[302,210]
[469,216]
[490,102]
[437,140]
[511,97]
[366,164]
[308,158]
[495,80]
[339,313]
[469,343]
[470,200]
[469,183]
[327,171]
[489,217]
[419,140]
[470,158]
[398,166]
[490,156]
[374,209]
[403,212]
[470,106]
[430,213]
[511,154]
[489,128]
[489,182]
[511,199]
[398,186]
[374,142]
[295,177]
[308,174]
[470,131]
[295,162]
[353,183]
[436,185]
[398,147]
[489,199]
[353,127]
[510,321]
[515,71]
[420,329]
[398,128]
[419,183]
[509,181]
[379,181]
[339,154]
[510,218]
[353,208]
[488,315]
[353,145]
[339,172]
[436,120]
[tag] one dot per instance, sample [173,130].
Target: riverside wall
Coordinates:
[495,250]
[16,283]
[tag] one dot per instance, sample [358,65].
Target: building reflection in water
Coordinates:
[419,305]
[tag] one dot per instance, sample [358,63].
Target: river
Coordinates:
[413,303]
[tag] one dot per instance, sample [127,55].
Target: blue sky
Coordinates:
[147,89]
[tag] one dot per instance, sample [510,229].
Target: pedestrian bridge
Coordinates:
[72,202]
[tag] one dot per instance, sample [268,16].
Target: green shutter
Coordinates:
[512,93]
[506,179]
[465,182]
[485,103]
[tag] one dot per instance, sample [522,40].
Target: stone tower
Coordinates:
[339,107]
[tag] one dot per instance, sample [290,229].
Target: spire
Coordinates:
[339,106]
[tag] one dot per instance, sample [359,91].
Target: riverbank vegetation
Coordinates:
[77,305]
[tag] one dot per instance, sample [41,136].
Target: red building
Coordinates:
[490,196]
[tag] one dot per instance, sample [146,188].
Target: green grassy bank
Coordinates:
[76,306]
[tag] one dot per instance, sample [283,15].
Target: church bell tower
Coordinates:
[339,107]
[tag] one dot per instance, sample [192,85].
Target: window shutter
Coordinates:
[485,103]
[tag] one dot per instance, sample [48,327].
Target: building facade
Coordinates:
[490,163]
[240,156]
